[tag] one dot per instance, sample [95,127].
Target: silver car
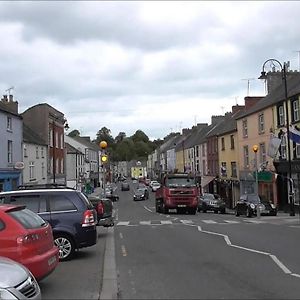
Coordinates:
[16,282]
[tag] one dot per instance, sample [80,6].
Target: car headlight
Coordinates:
[5,294]
[252,205]
[272,205]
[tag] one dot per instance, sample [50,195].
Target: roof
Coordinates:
[276,96]
[6,109]
[30,136]
[216,127]
[230,123]
[85,140]
[71,149]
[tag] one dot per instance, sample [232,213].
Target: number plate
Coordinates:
[51,260]
[181,205]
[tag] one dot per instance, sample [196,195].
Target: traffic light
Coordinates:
[104,158]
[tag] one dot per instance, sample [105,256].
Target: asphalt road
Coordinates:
[206,256]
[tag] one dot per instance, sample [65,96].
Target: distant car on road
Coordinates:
[125,186]
[143,187]
[155,186]
[249,203]
[139,195]
[16,281]
[211,202]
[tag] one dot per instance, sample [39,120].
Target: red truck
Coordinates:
[178,191]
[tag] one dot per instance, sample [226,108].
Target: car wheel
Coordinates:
[164,209]
[204,210]
[237,213]
[215,211]
[65,245]
[223,211]
[157,208]
[192,211]
[248,213]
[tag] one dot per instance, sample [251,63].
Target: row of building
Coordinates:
[245,150]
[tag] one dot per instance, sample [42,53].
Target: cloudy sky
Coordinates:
[155,66]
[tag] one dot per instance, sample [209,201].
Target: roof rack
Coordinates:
[44,186]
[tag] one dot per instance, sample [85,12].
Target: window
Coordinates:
[222,143]
[2,225]
[283,147]
[281,119]
[27,218]
[51,137]
[42,152]
[56,139]
[298,150]
[246,157]
[245,128]
[61,203]
[36,203]
[61,166]
[262,153]
[61,141]
[43,170]
[232,141]
[223,169]
[9,152]
[36,152]
[31,170]
[25,151]
[233,169]
[197,151]
[296,115]
[9,124]
[261,123]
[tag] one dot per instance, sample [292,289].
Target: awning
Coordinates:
[205,180]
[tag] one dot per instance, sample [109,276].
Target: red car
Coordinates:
[26,238]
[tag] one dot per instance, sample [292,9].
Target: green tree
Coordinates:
[140,136]
[74,132]
[104,134]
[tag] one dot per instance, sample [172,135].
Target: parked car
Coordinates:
[211,202]
[110,194]
[17,282]
[104,209]
[27,238]
[249,203]
[69,212]
[143,187]
[139,195]
[125,186]
[155,186]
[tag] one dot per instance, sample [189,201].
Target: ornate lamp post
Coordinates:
[104,159]
[273,63]
[255,149]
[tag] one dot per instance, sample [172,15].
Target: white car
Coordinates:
[155,186]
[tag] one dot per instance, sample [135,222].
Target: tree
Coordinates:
[120,137]
[140,136]
[74,132]
[104,134]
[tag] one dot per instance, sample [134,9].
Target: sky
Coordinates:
[153,66]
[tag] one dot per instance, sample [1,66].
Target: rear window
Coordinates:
[27,218]
[36,203]
[86,201]
[1,225]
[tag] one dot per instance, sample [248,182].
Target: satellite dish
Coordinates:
[19,165]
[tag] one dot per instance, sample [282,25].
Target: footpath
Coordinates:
[109,286]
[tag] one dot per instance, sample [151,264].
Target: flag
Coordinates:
[295,135]
[273,146]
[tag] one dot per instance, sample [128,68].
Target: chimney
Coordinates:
[250,101]
[216,119]
[236,108]
[10,104]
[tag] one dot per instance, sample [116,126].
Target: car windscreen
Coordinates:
[27,218]
[209,197]
[253,199]
[180,182]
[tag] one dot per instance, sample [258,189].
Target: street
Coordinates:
[177,256]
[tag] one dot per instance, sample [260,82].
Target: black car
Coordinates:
[104,209]
[211,202]
[139,195]
[71,215]
[125,186]
[142,186]
[248,204]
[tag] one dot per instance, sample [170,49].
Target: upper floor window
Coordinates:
[282,149]
[246,157]
[245,128]
[9,152]
[51,137]
[262,153]
[61,141]
[222,143]
[42,152]
[9,123]
[232,141]
[233,169]
[56,140]
[31,170]
[37,152]
[296,113]
[281,119]
[261,123]
[197,151]
[223,169]
[24,151]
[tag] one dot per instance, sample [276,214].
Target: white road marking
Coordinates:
[123,223]
[209,221]
[121,235]
[231,222]
[148,209]
[145,222]
[186,221]
[124,252]
[273,257]
[167,222]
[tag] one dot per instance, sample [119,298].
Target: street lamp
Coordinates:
[273,62]
[255,149]
[104,159]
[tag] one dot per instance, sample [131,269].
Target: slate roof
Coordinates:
[276,96]
[31,137]
[169,143]
[230,123]
[6,109]
[71,149]
[218,126]
[85,140]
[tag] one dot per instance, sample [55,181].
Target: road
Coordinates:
[206,256]
[176,256]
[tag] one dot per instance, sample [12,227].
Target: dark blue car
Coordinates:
[71,215]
